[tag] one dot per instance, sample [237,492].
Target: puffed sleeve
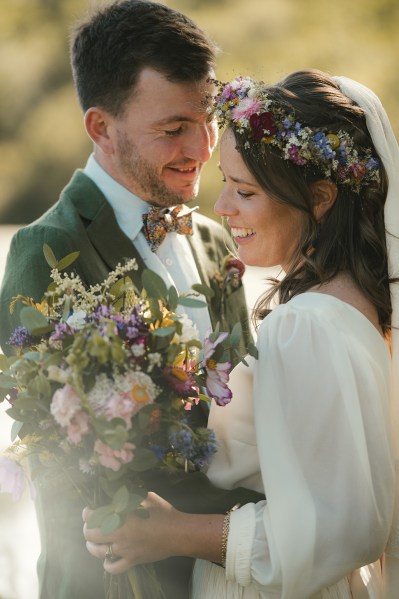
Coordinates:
[321,400]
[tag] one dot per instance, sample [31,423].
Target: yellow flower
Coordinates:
[140,393]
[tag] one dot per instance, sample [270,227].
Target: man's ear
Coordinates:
[324,196]
[98,124]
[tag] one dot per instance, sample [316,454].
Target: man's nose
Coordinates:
[201,144]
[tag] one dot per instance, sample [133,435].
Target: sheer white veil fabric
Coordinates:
[387,147]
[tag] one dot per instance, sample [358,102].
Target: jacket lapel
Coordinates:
[102,229]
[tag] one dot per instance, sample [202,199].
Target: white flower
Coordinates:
[138,350]
[189,330]
[77,319]
[154,359]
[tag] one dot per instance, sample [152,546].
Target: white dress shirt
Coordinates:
[173,260]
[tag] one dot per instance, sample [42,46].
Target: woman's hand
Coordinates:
[166,532]
[138,540]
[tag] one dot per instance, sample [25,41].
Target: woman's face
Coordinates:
[266,231]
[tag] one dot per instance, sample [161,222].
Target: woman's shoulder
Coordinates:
[333,313]
[344,288]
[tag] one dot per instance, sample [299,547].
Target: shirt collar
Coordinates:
[128,208]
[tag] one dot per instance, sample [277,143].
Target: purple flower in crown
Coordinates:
[294,155]
[217,373]
[262,125]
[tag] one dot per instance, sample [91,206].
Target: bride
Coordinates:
[310,166]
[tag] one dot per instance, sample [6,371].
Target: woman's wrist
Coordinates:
[198,536]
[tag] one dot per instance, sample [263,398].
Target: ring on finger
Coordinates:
[109,555]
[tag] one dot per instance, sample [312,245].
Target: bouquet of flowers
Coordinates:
[101,386]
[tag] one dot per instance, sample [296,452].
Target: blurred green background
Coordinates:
[42,139]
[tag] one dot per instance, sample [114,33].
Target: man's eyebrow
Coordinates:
[173,119]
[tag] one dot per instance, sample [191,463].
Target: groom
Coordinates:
[141,72]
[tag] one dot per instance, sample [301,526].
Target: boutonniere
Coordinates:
[229,277]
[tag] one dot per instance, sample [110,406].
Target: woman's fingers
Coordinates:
[87,512]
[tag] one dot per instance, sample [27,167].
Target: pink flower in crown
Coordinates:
[13,479]
[114,458]
[294,156]
[217,373]
[358,170]
[65,404]
[246,108]
[78,427]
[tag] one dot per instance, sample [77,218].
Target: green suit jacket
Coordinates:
[83,220]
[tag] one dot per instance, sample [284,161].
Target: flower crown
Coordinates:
[245,105]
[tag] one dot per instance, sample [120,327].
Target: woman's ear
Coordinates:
[324,196]
[98,124]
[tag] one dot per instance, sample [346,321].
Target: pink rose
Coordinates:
[114,458]
[65,404]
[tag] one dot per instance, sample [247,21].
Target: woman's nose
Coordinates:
[224,205]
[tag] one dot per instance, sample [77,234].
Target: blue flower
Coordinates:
[21,337]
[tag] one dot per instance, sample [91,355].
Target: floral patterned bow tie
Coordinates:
[159,221]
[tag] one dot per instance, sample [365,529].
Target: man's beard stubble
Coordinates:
[137,169]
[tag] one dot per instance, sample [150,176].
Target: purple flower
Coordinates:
[217,373]
[21,337]
[295,157]
[181,381]
[13,479]
[198,449]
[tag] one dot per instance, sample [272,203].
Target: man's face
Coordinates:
[163,139]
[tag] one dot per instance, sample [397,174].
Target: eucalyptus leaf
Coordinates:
[25,404]
[203,289]
[154,285]
[144,459]
[172,298]
[120,500]
[15,414]
[253,351]
[4,362]
[121,286]
[191,302]
[164,331]
[34,321]
[235,334]
[110,523]
[116,437]
[98,516]
[67,260]
[154,309]
[7,382]
[15,429]
[35,356]
[49,256]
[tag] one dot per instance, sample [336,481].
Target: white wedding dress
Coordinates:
[308,425]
